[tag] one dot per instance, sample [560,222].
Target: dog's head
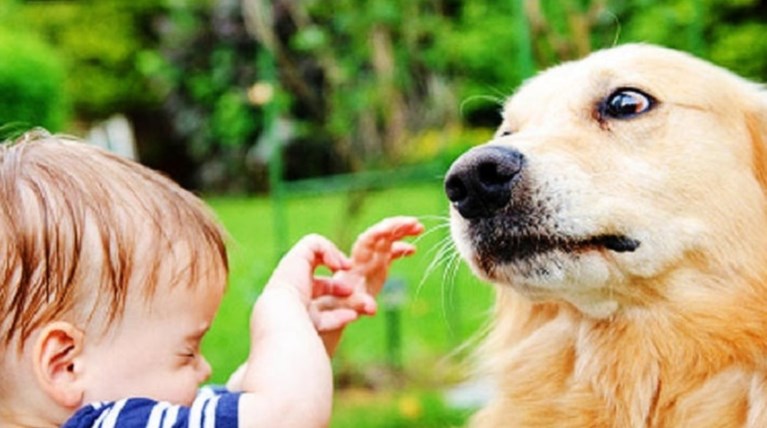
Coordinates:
[606,174]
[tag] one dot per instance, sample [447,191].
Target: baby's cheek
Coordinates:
[182,386]
[188,393]
[200,375]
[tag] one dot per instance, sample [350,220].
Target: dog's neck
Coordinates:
[627,366]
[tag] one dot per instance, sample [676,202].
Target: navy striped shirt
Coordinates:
[212,408]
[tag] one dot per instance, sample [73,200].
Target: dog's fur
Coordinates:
[640,294]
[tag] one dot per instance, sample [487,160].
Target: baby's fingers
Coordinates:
[387,231]
[324,286]
[330,320]
[401,249]
[326,253]
[318,250]
[395,228]
[297,267]
[361,302]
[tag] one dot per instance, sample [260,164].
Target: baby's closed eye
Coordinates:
[189,352]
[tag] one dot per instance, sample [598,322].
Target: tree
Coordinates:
[360,83]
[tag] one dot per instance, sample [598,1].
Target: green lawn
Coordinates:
[443,309]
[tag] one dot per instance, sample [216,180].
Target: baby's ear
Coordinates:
[55,353]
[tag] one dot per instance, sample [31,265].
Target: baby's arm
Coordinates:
[287,379]
[372,254]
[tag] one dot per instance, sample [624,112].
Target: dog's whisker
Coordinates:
[494,100]
[433,217]
[441,251]
[442,223]
[429,232]
[448,285]
[445,256]
[446,302]
[618,27]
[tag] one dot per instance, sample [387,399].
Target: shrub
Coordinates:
[31,83]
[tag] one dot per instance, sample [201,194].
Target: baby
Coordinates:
[111,276]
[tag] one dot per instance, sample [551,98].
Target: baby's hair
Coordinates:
[80,224]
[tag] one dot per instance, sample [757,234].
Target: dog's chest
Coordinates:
[556,376]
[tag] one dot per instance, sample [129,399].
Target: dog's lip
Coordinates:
[617,243]
[520,247]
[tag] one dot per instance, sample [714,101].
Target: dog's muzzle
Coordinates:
[479,183]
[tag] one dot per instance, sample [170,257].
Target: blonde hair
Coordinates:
[80,223]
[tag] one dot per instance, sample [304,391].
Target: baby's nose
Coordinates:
[204,370]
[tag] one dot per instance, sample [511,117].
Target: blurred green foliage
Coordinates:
[31,82]
[730,51]
[100,40]
[357,82]
[203,65]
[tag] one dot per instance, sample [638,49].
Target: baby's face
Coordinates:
[154,350]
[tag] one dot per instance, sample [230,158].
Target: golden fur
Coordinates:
[671,332]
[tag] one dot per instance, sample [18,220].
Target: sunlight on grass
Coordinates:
[394,409]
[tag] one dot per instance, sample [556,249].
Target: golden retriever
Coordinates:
[621,211]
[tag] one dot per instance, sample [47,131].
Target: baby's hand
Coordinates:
[372,254]
[295,271]
[281,325]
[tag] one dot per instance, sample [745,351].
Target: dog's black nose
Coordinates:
[479,182]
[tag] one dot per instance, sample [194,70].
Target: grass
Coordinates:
[379,385]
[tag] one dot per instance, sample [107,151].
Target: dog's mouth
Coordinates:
[617,243]
[509,218]
[515,248]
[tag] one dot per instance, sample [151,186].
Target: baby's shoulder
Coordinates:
[212,404]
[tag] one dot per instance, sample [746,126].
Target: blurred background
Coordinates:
[298,116]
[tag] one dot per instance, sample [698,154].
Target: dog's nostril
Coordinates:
[455,189]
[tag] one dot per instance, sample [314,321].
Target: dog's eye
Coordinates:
[503,133]
[625,104]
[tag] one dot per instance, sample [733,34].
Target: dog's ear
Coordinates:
[756,121]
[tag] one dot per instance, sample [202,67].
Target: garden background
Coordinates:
[299,116]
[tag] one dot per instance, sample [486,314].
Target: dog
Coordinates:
[620,210]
